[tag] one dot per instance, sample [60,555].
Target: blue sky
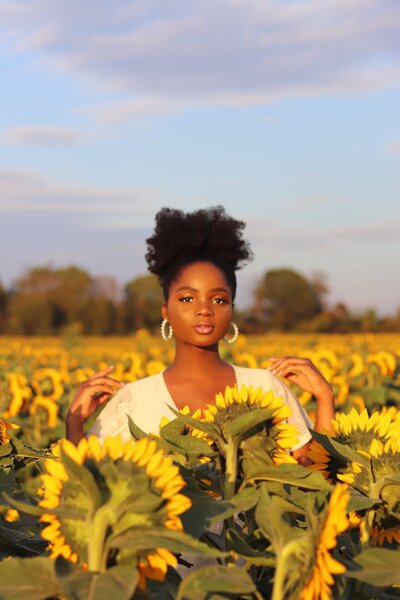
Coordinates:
[286,112]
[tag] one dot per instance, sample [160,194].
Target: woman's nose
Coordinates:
[205,309]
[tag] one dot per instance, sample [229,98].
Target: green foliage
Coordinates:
[284,299]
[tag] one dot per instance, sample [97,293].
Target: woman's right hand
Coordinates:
[90,394]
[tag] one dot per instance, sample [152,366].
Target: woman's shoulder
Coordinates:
[145,385]
[247,376]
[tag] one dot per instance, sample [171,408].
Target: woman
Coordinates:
[195,256]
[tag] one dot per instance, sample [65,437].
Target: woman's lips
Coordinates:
[204,328]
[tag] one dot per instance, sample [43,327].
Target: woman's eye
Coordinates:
[186,299]
[219,300]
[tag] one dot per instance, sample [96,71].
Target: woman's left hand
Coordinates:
[303,373]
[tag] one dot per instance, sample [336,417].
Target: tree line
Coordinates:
[50,301]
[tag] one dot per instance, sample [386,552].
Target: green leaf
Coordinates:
[19,448]
[135,431]
[176,541]
[378,566]
[7,482]
[229,580]
[245,424]
[289,474]
[358,502]
[174,427]
[243,501]
[190,445]
[15,542]
[5,449]
[239,544]
[84,477]
[28,579]
[341,452]
[23,507]
[209,428]
[270,518]
[118,582]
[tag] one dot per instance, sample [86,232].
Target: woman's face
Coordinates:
[199,306]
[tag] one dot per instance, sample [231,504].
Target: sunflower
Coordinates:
[234,403]
[360,432]
[20,391]
[137,486]
[324,565]
[4,436]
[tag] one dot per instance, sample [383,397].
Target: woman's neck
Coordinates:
[192,361]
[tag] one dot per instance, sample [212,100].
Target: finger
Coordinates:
[102,372]
[101,396]
[100,388]
[107,381]
[292,360]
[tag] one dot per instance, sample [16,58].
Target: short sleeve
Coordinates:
[299,418]
[112,419]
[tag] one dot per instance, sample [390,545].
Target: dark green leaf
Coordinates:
[239,544]
[209,428]
[340,451]
[28,579]
[85,479]
[228,580]
[18,447]
[118,582]
[135,431]
[176,541]
[290,474]
[23,507]
[359,502]
[7,482]
[15,542]
[190,445]
[243,424]
[270,518]
[378,566]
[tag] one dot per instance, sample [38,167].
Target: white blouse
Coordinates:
[146,402]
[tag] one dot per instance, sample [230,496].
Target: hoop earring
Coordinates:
[166,336]
[234,337]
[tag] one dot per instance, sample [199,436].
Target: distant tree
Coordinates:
[99,316]
[284,299]
[319,283]
[142,303]
[29,309]
[45,300]
[70,295]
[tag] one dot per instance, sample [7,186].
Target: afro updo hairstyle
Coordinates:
[206,235]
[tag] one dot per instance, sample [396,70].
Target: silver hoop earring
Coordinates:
[234,337]
[166,336]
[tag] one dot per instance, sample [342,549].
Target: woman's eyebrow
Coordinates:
[192,289]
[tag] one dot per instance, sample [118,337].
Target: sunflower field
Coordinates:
[212,505]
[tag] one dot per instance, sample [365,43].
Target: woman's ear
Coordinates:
[164,311]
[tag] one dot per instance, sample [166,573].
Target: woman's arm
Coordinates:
[305,374]
[89,395]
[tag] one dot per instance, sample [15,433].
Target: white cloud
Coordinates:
[43,135]
[225,52]
[272,235]
[27,193]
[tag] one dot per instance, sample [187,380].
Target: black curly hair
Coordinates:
[181,239]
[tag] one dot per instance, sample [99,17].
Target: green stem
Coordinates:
[98,530]
[230,470]
[280,571]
